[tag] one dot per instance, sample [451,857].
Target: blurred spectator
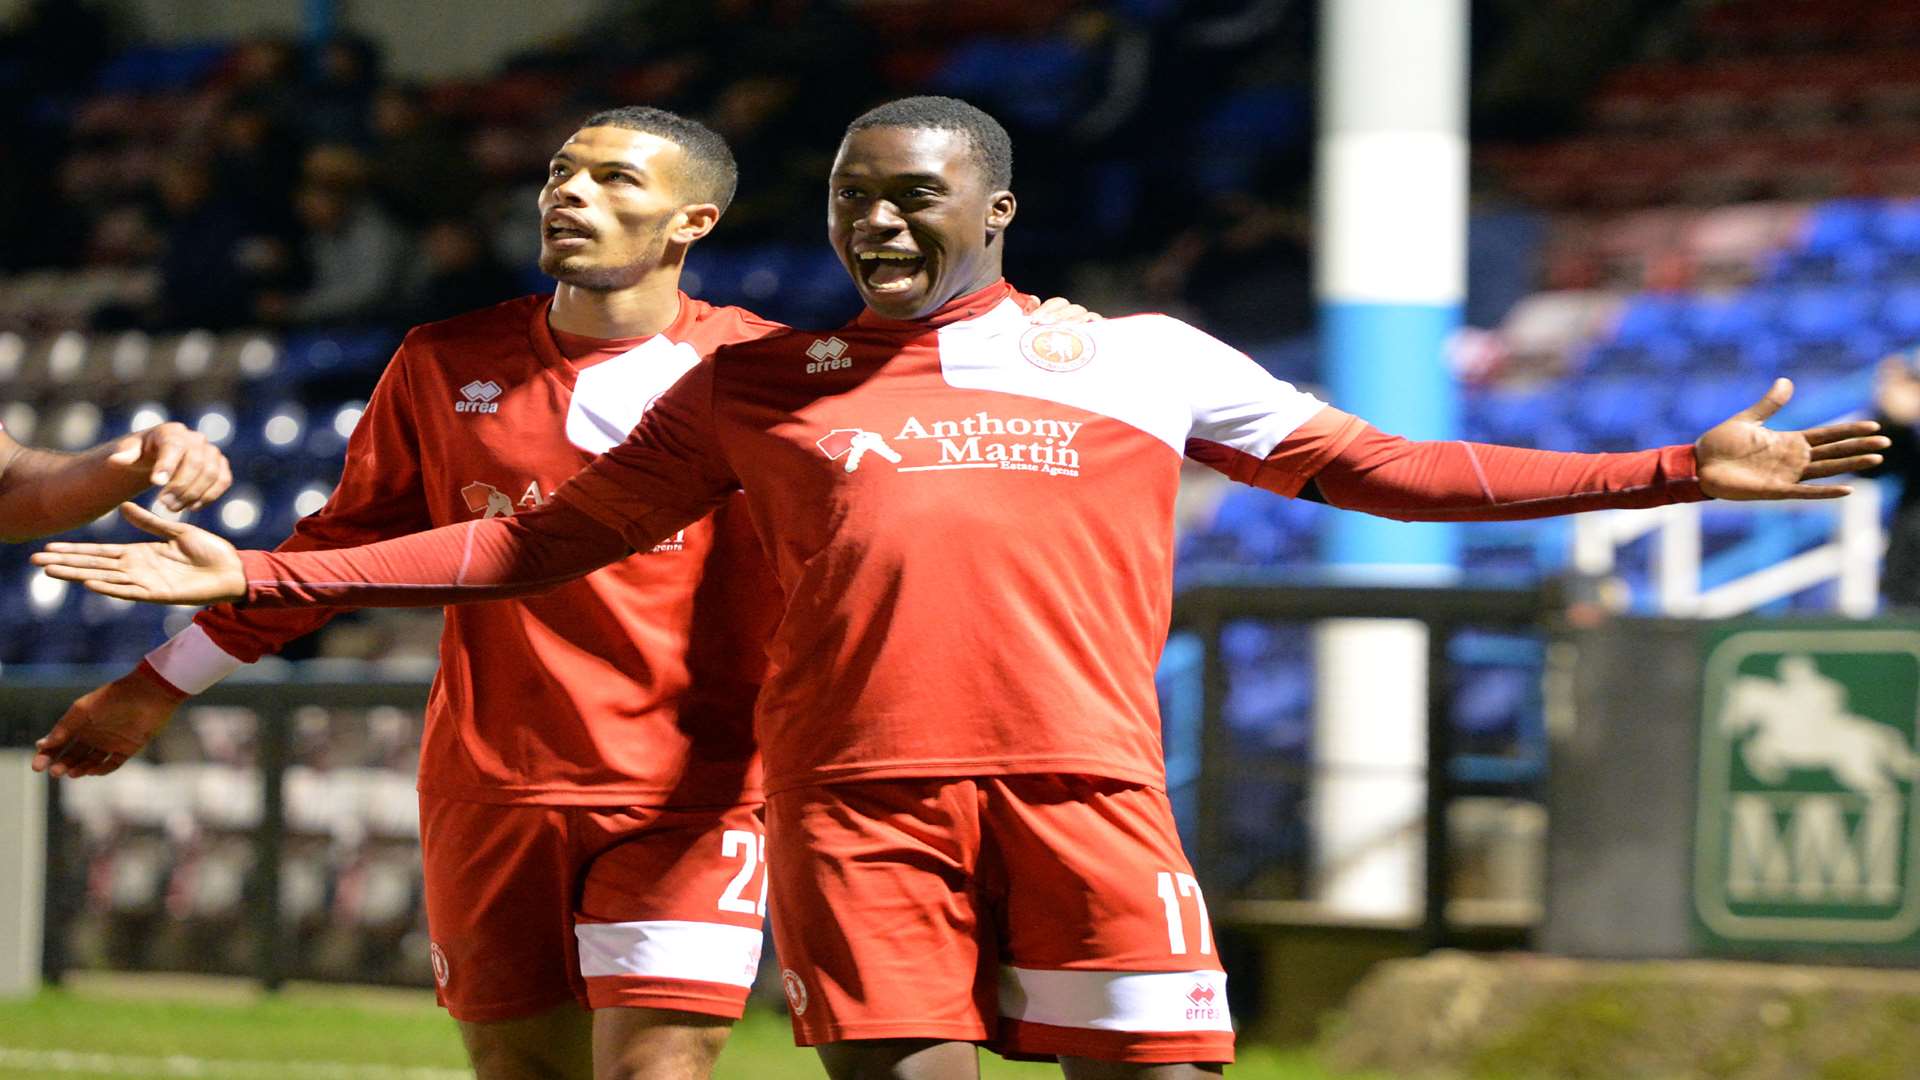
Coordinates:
[353,249]
[256,161]
[1244,271]
[454,272]
[1896,404]
[205,250]
[420,168]
[339,101]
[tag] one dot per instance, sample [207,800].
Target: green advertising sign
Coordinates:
[1804,835]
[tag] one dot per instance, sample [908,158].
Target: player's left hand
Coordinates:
[192,567]
[1060,311]
[189,471]
[1744,459]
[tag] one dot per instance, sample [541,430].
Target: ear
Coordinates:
[1000,210]
[693,222]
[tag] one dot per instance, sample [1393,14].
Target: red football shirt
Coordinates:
[632,685]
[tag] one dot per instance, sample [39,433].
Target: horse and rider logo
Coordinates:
[1808,771]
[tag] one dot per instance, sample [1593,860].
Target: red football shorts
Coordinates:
[1043,915]
[528,906]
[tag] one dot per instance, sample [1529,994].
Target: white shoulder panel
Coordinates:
[1150,371]
[610,397]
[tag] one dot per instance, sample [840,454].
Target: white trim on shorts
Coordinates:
[1133,1001]
[670,949]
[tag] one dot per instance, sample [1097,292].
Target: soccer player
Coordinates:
[45,491]
[971,521]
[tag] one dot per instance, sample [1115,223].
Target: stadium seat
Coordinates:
[1030,80]
[1838,225]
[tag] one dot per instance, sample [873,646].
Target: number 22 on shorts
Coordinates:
[1172,888]
[751,849]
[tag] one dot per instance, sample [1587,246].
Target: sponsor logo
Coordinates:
[985,441]
[855,444]
[796,991]
[487,500]
[479,397]
[1808,770]
[438,958]
[828,355]
[1057,348]
[1200,1002]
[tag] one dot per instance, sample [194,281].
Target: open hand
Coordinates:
[193,566]
[189,471]
[105,727]
[1744,459]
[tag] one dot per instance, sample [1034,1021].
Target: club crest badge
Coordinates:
[1057,348]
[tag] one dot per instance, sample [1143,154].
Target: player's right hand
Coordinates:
[108,725]
[189,470]
[193,566]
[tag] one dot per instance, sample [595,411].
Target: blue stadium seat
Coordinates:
[1897,225]
[1899,313]
[1031,80]
[1618,414]
[1826,313]
[1840,224]
[1703,403]
[1649,318]
[147,69]
[1529,417]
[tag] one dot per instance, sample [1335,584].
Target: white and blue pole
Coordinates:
[1390,276]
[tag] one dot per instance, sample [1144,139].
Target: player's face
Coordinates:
[912,217]
[606,208]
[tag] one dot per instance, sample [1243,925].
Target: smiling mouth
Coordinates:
[889,271]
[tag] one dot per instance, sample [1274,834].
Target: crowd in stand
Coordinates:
[268,183]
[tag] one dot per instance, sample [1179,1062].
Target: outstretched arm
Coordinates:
[491,559]
[45,491]
[1739,459]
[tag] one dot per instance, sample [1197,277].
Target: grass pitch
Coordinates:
[218,1029]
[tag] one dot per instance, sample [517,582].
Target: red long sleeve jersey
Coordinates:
[971,518]
[632,685]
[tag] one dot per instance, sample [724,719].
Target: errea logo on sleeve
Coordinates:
[479,397]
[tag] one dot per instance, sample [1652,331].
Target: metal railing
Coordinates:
[1205,610]
[32,699]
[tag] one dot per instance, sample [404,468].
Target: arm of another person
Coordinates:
[46,491]
[669,473]
[1261,431]
[379,496]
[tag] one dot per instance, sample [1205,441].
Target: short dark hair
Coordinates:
[709,172]
[992,149]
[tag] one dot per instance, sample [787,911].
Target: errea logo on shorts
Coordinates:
[438,958]
[1200,1002]
[829,354]
[479,397]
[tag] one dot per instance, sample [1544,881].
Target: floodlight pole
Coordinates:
[1390,275]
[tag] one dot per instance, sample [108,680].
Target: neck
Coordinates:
[639,310]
